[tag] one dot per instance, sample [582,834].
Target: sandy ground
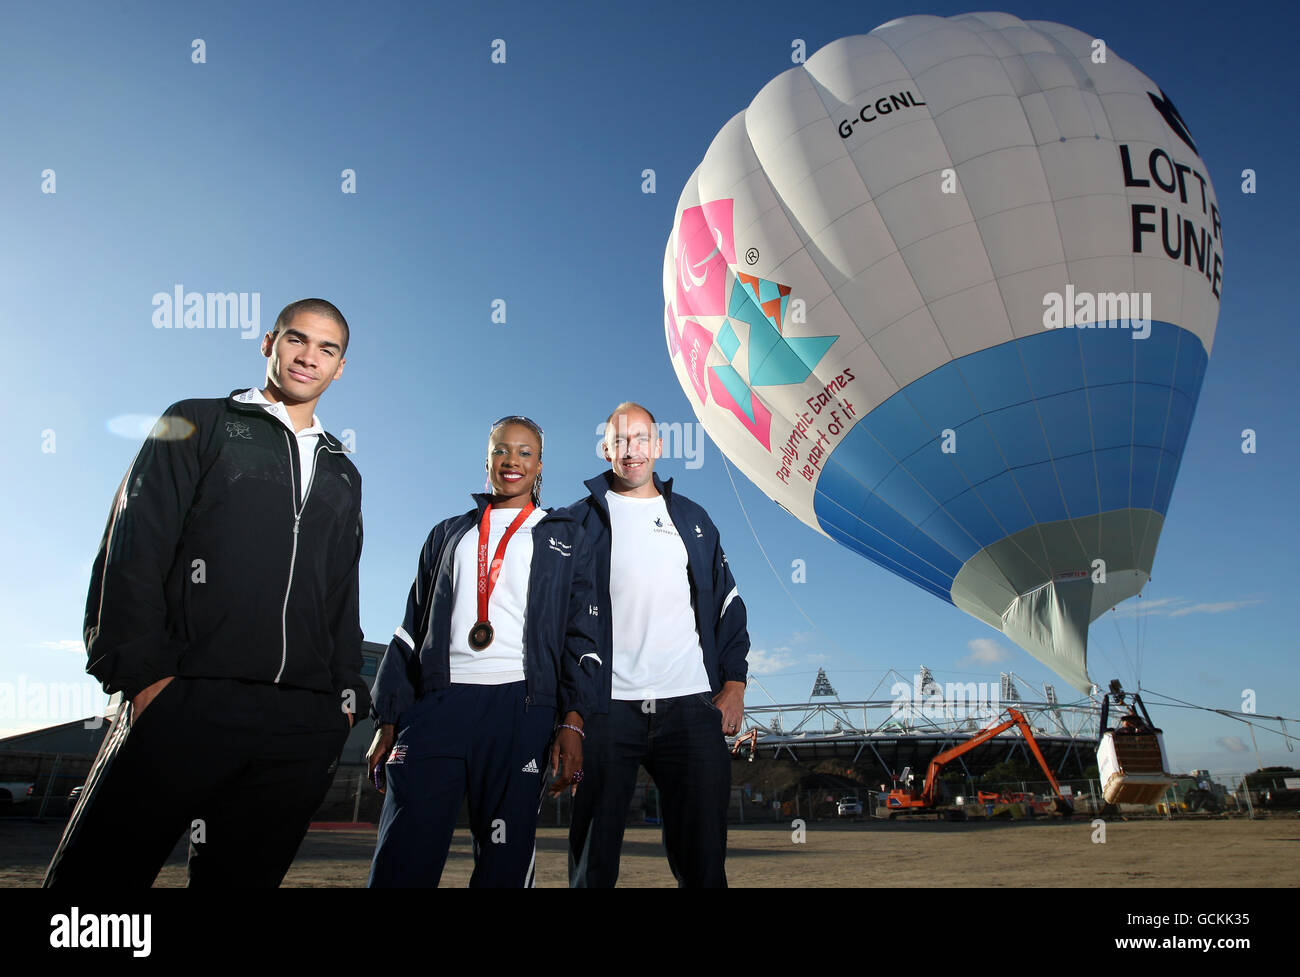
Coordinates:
[1180,853]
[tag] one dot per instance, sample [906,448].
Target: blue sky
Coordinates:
[522,182]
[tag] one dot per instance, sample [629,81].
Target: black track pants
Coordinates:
[679,740]
[240,767]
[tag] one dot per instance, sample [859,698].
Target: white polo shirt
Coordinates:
[306,437]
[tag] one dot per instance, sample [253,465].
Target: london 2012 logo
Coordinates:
[744,309]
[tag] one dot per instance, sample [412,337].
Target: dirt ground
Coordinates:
[1135,854]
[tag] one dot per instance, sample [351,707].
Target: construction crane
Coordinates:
[911,799]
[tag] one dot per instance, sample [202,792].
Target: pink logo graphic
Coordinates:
[705,246]
[670,326]
[760,427]
[696,343]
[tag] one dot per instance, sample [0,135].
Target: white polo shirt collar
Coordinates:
[277,410]
[306,438]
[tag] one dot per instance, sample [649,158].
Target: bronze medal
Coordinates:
[480,635]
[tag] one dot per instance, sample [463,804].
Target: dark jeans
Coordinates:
[680,743]
[480,741]
[250,761]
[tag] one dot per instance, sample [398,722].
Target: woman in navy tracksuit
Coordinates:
[495,661]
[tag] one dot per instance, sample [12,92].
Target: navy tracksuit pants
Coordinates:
[480,741]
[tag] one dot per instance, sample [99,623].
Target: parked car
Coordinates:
[848,806]
[16,792]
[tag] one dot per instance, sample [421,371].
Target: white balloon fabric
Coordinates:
[947,293]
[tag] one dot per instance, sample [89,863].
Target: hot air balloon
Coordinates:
[947,293]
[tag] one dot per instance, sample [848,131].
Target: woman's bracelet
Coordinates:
[576,729]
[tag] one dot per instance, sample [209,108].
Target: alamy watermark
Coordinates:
[1098,310]
[681,440]
[57,702]
[926,697]
[179,309]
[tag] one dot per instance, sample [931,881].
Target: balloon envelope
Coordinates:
[947,293]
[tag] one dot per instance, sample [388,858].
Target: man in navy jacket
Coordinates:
[674,643]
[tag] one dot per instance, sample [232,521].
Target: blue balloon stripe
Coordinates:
[1006,502]
[1042,486]
[941,404]
[1113,468]
[940,587]
[1063,424]
[850,530]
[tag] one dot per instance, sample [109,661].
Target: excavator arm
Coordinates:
[983,736]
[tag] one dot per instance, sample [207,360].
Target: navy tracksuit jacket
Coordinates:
[482,741]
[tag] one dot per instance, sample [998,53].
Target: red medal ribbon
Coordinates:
[488,580]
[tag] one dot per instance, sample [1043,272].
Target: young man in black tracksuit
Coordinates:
[674,644]
[223,607]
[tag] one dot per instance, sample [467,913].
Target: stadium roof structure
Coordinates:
[921,718]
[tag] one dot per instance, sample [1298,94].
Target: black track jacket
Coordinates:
[211,567]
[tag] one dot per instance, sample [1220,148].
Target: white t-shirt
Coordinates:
[657,653]
[503,660]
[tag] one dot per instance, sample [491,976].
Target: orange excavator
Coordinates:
[907,799]
[750,738]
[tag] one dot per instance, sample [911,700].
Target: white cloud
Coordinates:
[763,662]
[984,651]
[1233,744]
[74,645]
[1227,605]
[1176,607]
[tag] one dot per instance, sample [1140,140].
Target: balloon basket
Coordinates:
[1133,767]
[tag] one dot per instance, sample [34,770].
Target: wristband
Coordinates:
[574,728]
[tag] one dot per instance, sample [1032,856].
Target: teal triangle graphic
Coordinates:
[727,341]
[740,295]
[774,359]
[790,361]
[737,387]
[810,349]
[762,334]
